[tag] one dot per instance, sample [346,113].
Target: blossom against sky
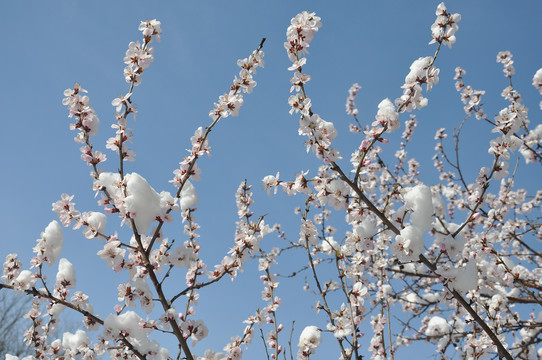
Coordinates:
[53,45]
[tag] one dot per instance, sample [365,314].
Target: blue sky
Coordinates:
[50,45]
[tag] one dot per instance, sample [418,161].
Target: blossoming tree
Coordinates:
[451,264]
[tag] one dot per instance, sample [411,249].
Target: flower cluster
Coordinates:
[65,210]
[118,142]
[139,56]
[20,280]
[300,33]
[195,329]
[12,268]
[537,82]
[49,245]
[508,121]
[321,133]
[351,107]
[309,341]
[505,58]
[401,154]
[273,302]
[79,107]
[470,97]
[87,123]
[248,235]
[150,29]
[37,333]
[268,313]
[532,141]
[230,103]
[233,348]
[445,26]
[421,72]
[93,223]
[377,345]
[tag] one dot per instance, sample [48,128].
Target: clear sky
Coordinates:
[48,46]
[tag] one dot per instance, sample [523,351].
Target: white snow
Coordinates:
[142,201]
[430,297]
[53,237]
[111,181]
[24,281]
[417,69]
[454,246]
[408,245]
[366,229]
[420,200]
[97,221]
[413,234]
[329,245]
[310,336]
[537,80]
[386,112]
[437,326]
[181,256]
[56,309]
[189,196]
[13,357]
[439,205]
[73,341]
[466,278]
[66,274]
[128,323]
[166,200]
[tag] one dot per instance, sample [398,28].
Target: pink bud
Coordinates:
[364,145]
